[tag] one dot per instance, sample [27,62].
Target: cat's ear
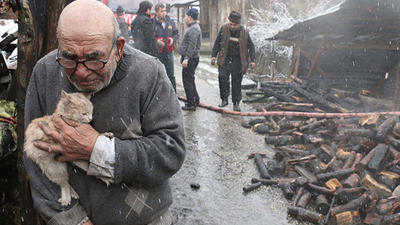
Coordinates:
[64,94]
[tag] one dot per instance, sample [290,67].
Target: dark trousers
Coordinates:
[168,60]
[188,82]
[233,68]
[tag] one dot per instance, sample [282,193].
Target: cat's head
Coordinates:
[75,106]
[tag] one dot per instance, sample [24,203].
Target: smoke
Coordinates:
[268,22]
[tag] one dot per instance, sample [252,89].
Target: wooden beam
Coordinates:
[319,54]
[341,46]
[295,61]
[308,57]
[396,101]
[383,79]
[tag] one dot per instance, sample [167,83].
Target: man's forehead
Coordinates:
[83,49]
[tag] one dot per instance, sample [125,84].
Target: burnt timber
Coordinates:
[354,46]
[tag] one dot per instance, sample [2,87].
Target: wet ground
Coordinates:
[217,148]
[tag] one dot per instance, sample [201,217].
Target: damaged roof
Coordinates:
[360,50]
[353,22]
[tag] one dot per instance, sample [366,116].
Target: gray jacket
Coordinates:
[191,42]
[139,101]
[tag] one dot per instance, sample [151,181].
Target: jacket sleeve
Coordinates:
[252,51]
[160,152]
[217,44]
[175,32]
[149,37]
[44,192]
[193,36]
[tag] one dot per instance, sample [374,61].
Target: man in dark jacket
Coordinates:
[167,35]
[123,26]
[234,48]
[142,30]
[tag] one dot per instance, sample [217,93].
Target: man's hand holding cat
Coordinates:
[70,142]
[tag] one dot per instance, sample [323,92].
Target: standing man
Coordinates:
[132,98]
[234,48]
[123,26]
[142,30]
[167,35]
[189,49]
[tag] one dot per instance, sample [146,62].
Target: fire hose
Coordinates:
[291,113]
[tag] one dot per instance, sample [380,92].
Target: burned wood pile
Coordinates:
[335,171]
[312,96]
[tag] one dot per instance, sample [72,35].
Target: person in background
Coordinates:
[132,99]
[235,51]
[167,35]
[189,49]
[123,26]
[142,30]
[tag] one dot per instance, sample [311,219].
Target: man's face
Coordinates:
[233,26]
[161,13]
[84,79]
[187,19]
[148,11]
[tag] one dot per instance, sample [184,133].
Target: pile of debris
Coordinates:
[307,95]
[349,168]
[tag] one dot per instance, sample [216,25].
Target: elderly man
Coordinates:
[132,98]
[234,48]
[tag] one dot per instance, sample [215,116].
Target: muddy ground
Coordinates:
[217,148]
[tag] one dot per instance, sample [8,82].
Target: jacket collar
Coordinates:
[143,14]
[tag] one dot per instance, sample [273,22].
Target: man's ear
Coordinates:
[120,48]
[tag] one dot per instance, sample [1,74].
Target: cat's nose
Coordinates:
[90,118]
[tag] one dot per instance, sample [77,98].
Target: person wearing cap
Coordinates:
[235,52]
[142,30]
[132,98]
[123,26]
[167,34]
[189,49]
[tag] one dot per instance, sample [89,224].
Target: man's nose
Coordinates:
[82,71]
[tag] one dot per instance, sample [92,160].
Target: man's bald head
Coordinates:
[87,18]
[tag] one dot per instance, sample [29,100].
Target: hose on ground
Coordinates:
[291,113]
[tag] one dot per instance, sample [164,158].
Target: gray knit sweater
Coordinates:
[141,97]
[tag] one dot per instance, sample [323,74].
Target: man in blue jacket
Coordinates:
[166,34]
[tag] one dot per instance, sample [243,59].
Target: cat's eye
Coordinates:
[84,114]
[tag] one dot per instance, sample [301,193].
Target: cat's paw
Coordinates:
[65,200]
[107,180]
[108,134]
[74,194]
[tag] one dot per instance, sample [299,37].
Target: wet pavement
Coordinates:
[217,148]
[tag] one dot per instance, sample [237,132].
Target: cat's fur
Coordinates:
[73,106]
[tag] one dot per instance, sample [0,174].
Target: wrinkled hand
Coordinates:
[171,41]
[160,43]
[185,64]
[252,65]
[72,140]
